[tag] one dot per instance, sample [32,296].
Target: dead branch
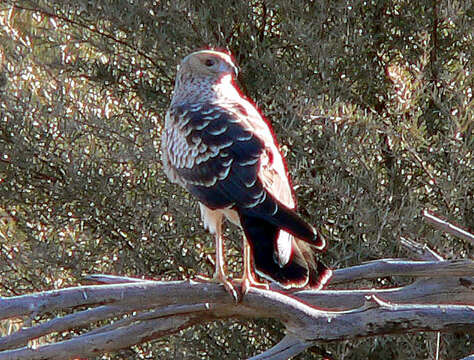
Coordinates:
[390,267]
[153,309]
[306,323]
[421,252]
[444,225]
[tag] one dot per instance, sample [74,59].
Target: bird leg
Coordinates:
[213,222]
[219,273]
[248,279]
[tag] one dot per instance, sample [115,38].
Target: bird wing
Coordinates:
[274,176]
[214,156]
[216,153]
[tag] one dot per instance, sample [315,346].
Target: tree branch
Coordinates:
[423,252]
[441,299]
[448,227]
[390,267]
[303,322]
[289,346]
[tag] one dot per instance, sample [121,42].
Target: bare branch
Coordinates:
[185,292]
[146,292]
[445,290]
[390,267]
[156,314]
[448,227]
[369,270]
[77,320]
[90,345]
[289,346]
[424,252]
[303,322]
[423,291]
[173,306]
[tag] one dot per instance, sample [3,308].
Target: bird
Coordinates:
[217,145]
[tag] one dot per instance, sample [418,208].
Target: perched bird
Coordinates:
[216,144]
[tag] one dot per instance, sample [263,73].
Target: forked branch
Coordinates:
[152,309]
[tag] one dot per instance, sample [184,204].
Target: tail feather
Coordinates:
[272,211]
[319,273]
[300,271]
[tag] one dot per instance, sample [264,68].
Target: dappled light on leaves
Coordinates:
[370,101]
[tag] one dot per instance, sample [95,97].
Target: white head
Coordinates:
[203,75]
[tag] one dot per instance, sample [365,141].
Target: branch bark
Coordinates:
[450,228]
[443,302]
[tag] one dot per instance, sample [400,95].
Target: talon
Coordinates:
[248,281]
[230,288]
[221,279]
[232,291]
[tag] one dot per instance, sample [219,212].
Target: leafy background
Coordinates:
[370,100]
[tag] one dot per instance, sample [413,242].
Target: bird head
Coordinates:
[205,75]
[208,63]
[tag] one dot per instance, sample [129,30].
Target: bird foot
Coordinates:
[248,282]
[221,279]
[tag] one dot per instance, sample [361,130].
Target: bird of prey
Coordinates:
[216,144]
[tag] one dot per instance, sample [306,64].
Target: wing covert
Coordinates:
[216,156]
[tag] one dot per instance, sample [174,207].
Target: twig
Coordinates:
[424,252]
[448,227]
[113,279]
[99,32]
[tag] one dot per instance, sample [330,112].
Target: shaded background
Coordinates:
[371,102]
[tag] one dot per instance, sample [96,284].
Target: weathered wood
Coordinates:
[448,227]
[391,267]
[153,309]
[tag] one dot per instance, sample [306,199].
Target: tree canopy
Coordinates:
[371,102]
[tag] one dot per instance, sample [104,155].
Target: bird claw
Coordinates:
[232,290]
[222,279]
[248,282]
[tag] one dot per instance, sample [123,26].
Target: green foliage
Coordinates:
[371,101]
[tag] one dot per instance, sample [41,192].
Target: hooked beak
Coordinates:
[236,71]
[224,68]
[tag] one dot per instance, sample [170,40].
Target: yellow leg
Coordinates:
[212,220]
[248,280]
[219,273]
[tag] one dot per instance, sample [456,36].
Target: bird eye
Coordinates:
[209,62]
